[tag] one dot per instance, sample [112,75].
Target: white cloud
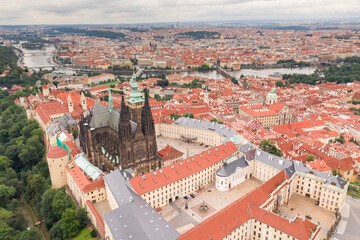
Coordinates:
[138,11]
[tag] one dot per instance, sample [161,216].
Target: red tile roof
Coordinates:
[83,181]
[344,164]
[182,169]
[57,152]
[248,207]
[169,152]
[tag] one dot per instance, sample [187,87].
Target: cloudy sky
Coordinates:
[147,11]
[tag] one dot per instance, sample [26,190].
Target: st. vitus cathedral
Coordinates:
[121,137]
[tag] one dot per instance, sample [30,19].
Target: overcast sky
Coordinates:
[147,11]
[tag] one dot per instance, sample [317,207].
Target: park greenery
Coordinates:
[196,83]
[199,34]
[91,33]
[355,102]
[216,121]
[204,68]
[8,58]
[291,63]
[348,72]
[279,84]
[356,110]
[177,116]
[310,157]
[24,172]
[269,146]
[165,98]
[32,45]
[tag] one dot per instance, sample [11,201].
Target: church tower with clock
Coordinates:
[125,137]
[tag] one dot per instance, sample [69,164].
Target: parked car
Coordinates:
[317,203]
[186,197]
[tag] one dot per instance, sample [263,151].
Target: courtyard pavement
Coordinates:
[183,219]
[302,206]
[189,149]
[349,226]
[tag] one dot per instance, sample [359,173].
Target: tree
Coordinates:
[340,139]
[56,232]
[6,193]
[30,235]
[268,146]
[81,216]
[34,185]
[158,98]
[163,83]
[174,116]
[70,225]
[188,114]
[75,133]
[4,163]
[5,229]
[61,202]
[310,157]
[279,84]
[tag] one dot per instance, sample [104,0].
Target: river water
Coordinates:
[36,59]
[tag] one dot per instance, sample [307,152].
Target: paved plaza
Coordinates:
[102,207]
[302,206]
[189,149]
[181,218]
[349,226]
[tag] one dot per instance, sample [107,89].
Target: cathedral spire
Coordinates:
[146,104]
[147,122]
[111,103]
[124,112]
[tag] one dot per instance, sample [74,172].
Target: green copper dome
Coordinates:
[135,95]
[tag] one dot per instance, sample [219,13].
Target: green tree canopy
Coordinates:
[269,146]
[70,225]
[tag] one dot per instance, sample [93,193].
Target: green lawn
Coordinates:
[353,194]
[81,235]
[110,83]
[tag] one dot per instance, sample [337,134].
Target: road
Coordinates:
[349,226]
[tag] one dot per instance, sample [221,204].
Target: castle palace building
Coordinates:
[121,137]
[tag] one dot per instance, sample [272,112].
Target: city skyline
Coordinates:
[20,12]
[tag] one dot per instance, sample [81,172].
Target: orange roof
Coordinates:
[247,207]
[156,179]
[57,152]
[82,181]
[319,165]
[169,152]
[344,164]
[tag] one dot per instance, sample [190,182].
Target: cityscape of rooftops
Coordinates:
[189,120]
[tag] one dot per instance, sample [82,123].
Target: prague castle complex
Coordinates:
[121,137]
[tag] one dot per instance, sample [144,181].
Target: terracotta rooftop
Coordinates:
[156,179]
